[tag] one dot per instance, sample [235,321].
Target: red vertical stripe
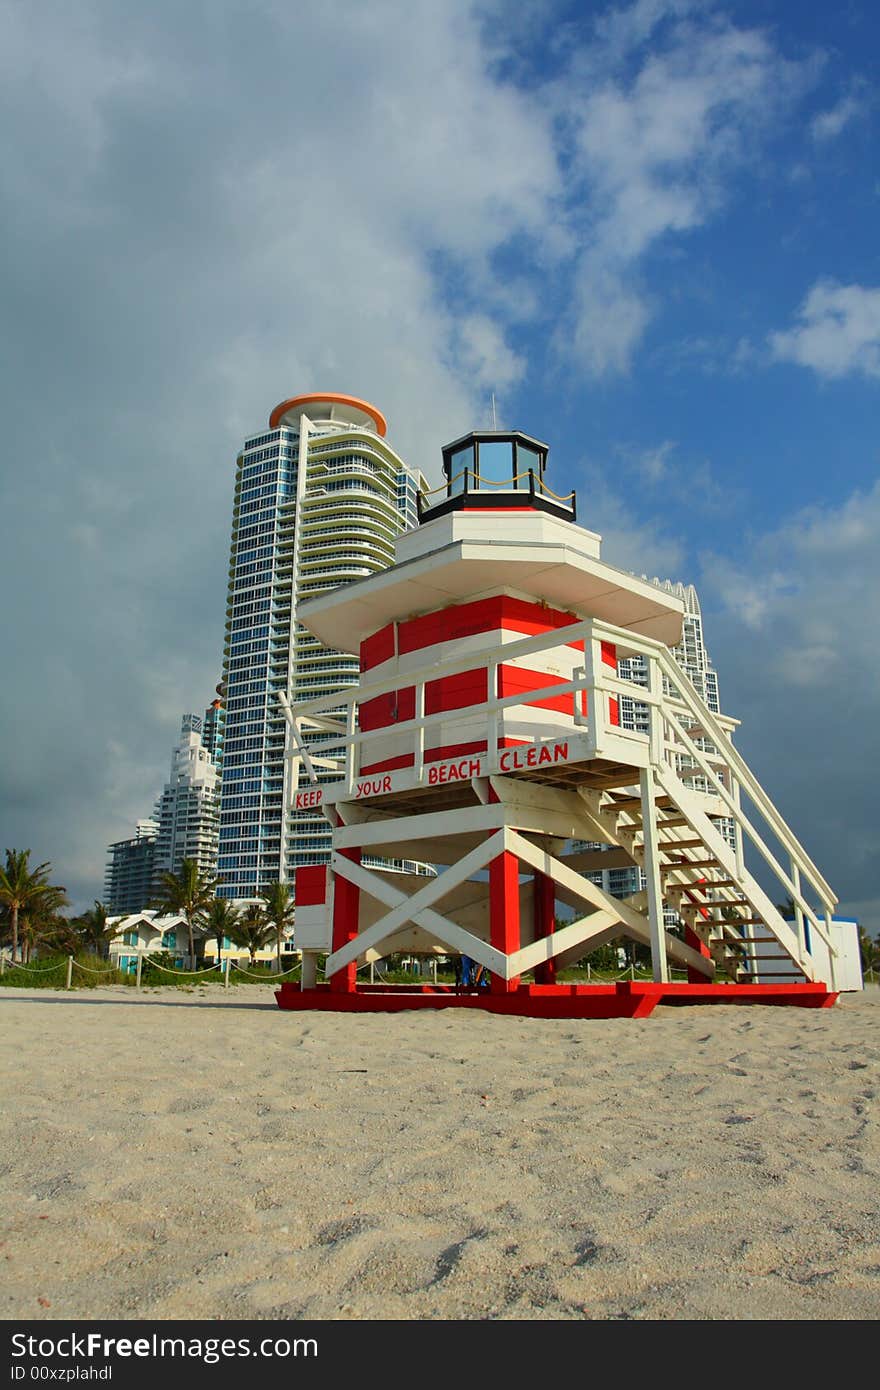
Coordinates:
[346,910]
[504,932]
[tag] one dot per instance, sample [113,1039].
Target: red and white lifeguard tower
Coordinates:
[484,741]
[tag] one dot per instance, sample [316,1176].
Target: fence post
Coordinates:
[226,973]
[69,972]
[2,965]
[140,962]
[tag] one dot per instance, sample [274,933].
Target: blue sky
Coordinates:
[649,228]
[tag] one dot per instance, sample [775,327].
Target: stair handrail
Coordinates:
[745,776]
[692,699]
[768,855]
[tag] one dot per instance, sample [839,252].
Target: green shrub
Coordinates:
[50,972]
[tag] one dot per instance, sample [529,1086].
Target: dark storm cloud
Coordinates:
[202,213]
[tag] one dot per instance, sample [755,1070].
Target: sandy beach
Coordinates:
[200,1155]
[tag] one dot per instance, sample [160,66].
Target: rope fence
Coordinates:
[154,965]
[30,969]
[276,974]
[228,965]
[225,967]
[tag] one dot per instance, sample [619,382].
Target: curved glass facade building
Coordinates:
[319,498]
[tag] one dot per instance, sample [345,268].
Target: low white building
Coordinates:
[149,932]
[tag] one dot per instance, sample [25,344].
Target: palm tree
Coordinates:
[279,912]
[252,930]
[221,920]
[870,950]
[22,887]
[93,928]
[189,894]
[59,935]
[41,923]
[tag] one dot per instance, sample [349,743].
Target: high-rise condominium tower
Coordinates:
[187,810]
[212,729]
[128,879]
[319,499]
[690,654]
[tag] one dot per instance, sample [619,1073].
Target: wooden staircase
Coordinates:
[727,914]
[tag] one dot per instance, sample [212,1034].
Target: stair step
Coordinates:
[633,803]
[794,976]
[766,956]
[673,820]
[705,885]
[694,863]
[667,845]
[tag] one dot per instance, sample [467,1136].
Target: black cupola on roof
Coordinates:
[496,469]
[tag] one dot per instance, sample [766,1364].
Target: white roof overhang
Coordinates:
[559,575]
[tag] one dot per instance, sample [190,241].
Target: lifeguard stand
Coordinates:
[484,741]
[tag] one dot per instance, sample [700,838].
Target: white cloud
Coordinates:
[837,332]
[827,125]
[207,211]
[653,464]
[792,628]
[629,540]
[669,476]
[655,137]
[609,319]
[481,349]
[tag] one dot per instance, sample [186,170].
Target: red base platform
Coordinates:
[626,999]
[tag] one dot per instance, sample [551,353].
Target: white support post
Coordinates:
[655,711]
[69,972]
[737,828]
[597,707]
[226,972]
[351,756]
[309,974]
[659,964]
[491,697]
[832,983]
[420,731]
[140,962]
[798,910]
